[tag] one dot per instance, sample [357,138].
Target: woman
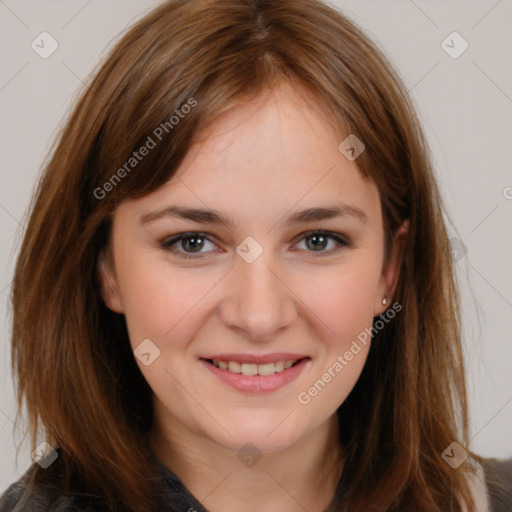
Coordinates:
[236,288]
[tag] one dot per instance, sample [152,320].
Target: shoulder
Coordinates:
[41,490]
[498,478]
[48,490]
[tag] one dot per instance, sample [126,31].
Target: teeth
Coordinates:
[279,366]
[234,366]
[266,369]
[250,369]
[254,369]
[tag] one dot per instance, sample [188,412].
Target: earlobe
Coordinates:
[391,273]
[108,284]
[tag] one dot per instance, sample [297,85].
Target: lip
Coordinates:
[254,359]
[257,384]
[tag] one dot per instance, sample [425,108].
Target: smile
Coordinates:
[255,375]
[252,368]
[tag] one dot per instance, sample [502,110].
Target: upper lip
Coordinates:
[254,359]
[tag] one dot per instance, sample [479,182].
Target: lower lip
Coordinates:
[255,384]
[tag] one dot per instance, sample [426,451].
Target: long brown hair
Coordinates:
[71,355]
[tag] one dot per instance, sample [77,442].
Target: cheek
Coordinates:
[344,308]
[157,302]
[342,301]
[341,298]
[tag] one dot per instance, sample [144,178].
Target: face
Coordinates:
[283,267]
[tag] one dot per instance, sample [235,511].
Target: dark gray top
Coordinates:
[19,497]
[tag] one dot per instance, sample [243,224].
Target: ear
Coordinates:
[108,282]
[391,271]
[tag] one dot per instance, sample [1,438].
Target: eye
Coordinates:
[318,241]
[190,243]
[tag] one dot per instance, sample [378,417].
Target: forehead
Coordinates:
[266,155]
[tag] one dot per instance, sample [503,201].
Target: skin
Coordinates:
[262,160]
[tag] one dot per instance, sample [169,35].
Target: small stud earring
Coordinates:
[384,300]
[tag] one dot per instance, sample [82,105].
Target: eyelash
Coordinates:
[168,243]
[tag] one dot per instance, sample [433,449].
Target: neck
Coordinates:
[303,476]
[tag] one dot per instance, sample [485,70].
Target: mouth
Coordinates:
[256,374]
[250,368]
[254,378]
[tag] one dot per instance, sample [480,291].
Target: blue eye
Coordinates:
[190,245]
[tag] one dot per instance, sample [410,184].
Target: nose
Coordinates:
[258,302]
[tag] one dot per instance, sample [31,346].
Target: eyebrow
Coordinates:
[210,216]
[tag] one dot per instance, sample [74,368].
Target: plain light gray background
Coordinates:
[465,104]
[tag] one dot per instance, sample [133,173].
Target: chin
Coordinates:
[266,436]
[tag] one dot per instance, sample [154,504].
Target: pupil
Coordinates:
[315,239]
[195,243]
